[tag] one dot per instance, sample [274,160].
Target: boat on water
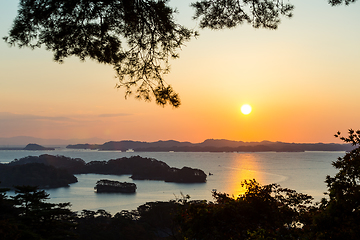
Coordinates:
[110,186]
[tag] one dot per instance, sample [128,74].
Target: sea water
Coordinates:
[304,172]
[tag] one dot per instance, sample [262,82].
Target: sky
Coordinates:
[302,81]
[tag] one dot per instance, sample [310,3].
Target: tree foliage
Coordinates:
[219,14]
[27,215]
[136,37]
[267,211]
[339,215]
[339,2]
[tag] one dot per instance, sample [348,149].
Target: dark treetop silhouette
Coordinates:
[136,37]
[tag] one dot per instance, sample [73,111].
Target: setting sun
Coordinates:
[246,109]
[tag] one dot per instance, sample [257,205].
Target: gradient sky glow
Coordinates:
[301,80]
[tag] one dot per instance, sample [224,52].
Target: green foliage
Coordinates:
[339,2]
[29,199]
[219,14]
[8,229]
[339,216]
[147,222]
[160,218]
[263,212]
[136,37]
[27,215]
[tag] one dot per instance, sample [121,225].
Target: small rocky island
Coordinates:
[37,147]
[109,186]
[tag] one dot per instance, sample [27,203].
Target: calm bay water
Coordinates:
[304,172]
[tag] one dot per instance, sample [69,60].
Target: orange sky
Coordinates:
[301,81]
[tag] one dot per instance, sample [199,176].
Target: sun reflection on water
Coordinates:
[247,167]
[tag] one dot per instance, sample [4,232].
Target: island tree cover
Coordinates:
[262,212]
[35,174]
[136,37]
[32,169]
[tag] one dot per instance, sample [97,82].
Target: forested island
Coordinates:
[212,145]
[109,186]
[35,174]
[48,171]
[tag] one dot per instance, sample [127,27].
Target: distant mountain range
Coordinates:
[212,145]
[209,145]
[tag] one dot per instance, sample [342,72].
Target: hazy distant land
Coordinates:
[212,145]
[209,145]
[30,147]
[22,141]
